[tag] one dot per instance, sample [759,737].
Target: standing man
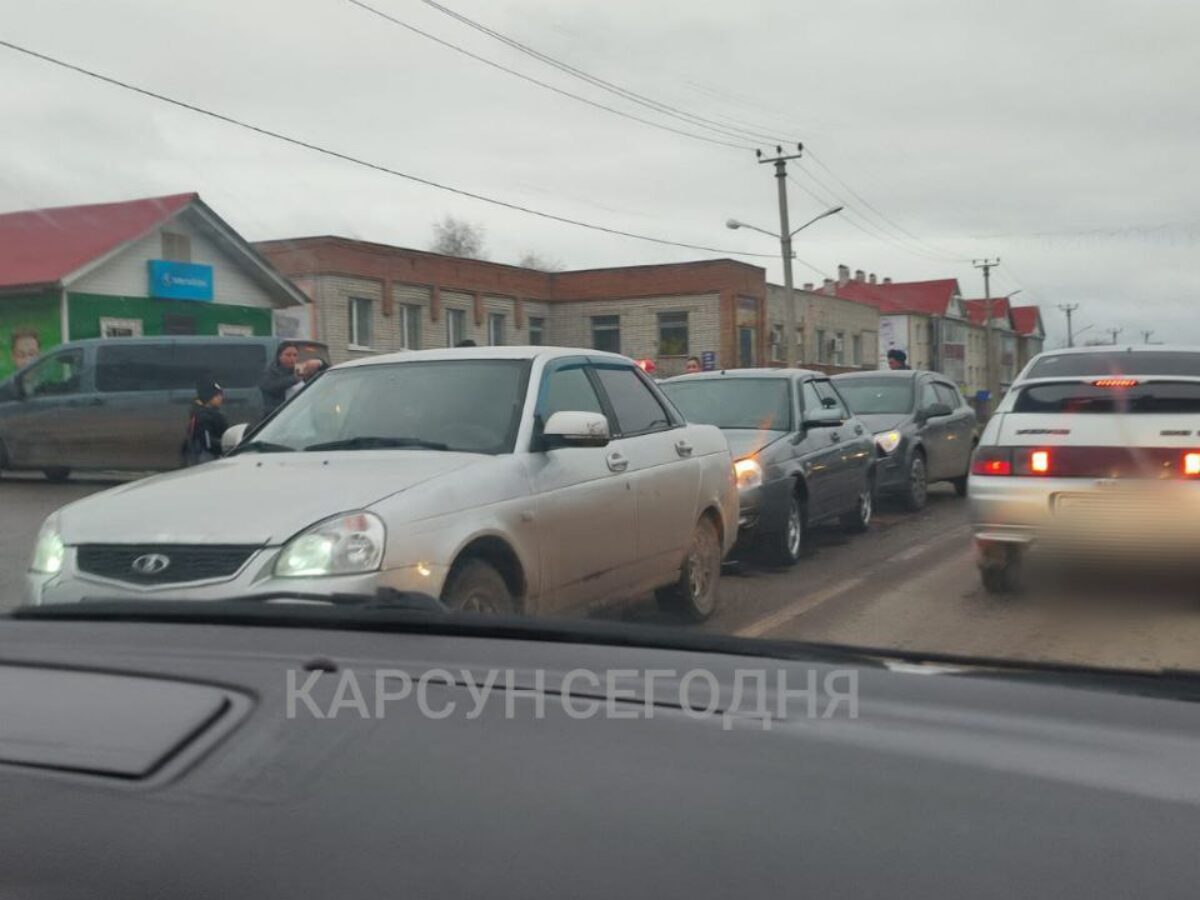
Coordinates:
[285,372]
[897,359]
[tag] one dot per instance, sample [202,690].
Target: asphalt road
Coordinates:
[909,583]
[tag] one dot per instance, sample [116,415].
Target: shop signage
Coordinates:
[180,281]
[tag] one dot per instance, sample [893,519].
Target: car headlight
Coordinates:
[887,441]
[748,472]
[49,551]
[348,544]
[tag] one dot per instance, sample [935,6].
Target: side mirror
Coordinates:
[232,437]
[936,410]
[575,429]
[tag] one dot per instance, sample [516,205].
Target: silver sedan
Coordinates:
[498,479]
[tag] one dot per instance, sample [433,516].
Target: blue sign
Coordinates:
[180,281]
[708,360]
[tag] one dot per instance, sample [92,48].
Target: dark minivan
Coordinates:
[924,429]
[123,403]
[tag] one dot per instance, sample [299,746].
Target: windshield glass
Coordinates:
[1156,397]
[759,403]
[471,406]
[870,396]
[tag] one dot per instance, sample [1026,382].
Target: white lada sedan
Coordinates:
[502,479]
[1093,451]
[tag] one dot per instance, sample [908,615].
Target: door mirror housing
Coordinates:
[232,437]
[575,429]
[937,410]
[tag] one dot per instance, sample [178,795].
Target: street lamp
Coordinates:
[785,246]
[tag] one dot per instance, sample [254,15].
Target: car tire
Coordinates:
[694,595]
[784,547]
[916,487]
[57,474]
[858,520]
[475,586]
[1004,578]
[960,485]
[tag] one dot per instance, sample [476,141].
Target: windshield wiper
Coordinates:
[370,442]
[262,447]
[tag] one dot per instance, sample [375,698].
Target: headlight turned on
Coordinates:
[748,472]
[348,544]
[887,441]
[49,551]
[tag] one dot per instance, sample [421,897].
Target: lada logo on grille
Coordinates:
[150,563]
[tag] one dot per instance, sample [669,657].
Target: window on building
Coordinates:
[537,330]
[496,329]
[856,350]
[225,329]
[410,327]
[456,327]
[839,348]
[822,347]
[361,336]
[776,343]
[176,247]
[747,346]
[672,334]
[606,333]
[118,328]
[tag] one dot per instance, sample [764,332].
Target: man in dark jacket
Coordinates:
[897,359]
[205,425]
[284,373]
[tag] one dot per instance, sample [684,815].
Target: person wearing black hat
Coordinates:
[897,359]
[206,424]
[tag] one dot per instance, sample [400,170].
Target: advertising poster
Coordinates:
[28,327]
[893,335]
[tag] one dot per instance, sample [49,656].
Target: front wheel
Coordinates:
[858,519]
[694,594]
[475,586]
[916,491]
[784,547]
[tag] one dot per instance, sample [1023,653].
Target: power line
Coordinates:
[297,142]
[529,78]
[725,128]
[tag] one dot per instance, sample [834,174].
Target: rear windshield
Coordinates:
[1160,397]
[1113,362]
[871,396]
[760,403]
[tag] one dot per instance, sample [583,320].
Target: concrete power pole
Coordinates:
[989,365]
[780,161]
[1069,308]
[1146,335]
[1114,332]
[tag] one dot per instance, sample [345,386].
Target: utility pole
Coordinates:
[1114,332]
[1069,308]
[1146,335]
[989,366]
[780,161]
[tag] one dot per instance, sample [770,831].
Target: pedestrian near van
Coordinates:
[206,424]
[286,371]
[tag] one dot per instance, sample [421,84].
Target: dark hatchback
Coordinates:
[800,455]
[924,429]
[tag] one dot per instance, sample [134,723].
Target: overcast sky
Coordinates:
[1061,137]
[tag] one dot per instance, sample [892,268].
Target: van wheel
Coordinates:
[694,595]
[475,586]
[57,474]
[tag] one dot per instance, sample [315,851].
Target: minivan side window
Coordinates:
[176,367]
[637,409]
[55,375]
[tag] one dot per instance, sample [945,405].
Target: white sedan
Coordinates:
[501,479]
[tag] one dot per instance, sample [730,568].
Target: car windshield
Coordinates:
[871,396]
[758,403]
[473,406]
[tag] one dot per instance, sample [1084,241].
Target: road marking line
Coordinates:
[915,551]
[801,606]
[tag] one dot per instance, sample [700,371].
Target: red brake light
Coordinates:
[1191,464]
[1115,382]
[1039,462]
[992,461]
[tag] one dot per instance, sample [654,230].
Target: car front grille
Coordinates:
[162,563]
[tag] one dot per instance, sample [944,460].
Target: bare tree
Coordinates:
[458,237]
[534,260]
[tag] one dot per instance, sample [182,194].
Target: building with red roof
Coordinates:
[158,265]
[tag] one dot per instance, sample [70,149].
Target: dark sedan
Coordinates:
[799,454]
[924,430]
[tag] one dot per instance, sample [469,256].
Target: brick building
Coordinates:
[373,298]
[832,333]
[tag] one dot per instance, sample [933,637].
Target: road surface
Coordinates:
[909,584]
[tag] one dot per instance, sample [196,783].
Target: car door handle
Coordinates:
[683,448]
[617,462]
